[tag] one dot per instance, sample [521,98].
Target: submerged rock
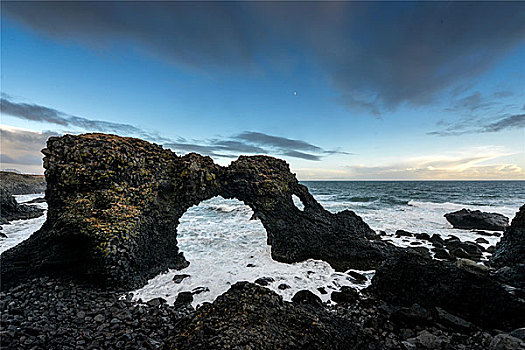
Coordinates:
[468,219]
[115,204]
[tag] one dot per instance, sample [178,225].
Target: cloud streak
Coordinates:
[248,142]
[38,113]
[377,54]
[474,126]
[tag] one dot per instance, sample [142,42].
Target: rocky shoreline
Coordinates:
[58,314]
[112,224]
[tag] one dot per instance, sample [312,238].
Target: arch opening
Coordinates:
[224,245]
[298,202]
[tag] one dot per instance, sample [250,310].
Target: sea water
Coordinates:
[224,246]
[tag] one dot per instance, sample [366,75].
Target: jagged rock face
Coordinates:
[509,255]
[511,249]
[115,203]
[473,295]
[468,219]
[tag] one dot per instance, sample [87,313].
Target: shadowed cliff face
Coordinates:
[115,203]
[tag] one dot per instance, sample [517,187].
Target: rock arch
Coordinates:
[115,203]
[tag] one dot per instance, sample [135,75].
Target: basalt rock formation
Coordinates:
[476,219]
[509,255]
[115,203]
[472,294]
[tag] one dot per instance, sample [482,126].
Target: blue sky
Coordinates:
[340,90]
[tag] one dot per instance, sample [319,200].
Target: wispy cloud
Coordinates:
[474,125]
[510,122]
[471,103]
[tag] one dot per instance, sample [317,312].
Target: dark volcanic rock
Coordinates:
[474,296]
[307,297]
[253,317]
[509,254]
[179,278]
[513,275]
[345,295]
[264,281]
[11,210]
[468,219]
[115,203]
[510,250]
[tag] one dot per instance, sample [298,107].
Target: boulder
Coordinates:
[345,294]
[308,298]
[115,204]
[470,294]
[468,219]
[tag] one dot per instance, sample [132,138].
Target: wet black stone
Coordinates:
[179,278]
[264,281]
[184,298]
[345,295]
[283,286]
[481,240]
[358,276]
[307,297]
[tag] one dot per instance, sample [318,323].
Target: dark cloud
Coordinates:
[248,142]
[282,143]
[33,112]
[237,146]
[254,143]
[378,54]
[511,122]
[474,126]
[297,154]
[40,113]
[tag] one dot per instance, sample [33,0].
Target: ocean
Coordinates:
[224,246]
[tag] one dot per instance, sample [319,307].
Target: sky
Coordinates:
[340,90]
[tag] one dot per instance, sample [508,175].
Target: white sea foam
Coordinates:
[220,241]
[19,230]
[227,247]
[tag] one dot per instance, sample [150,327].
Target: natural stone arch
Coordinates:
[115,204]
